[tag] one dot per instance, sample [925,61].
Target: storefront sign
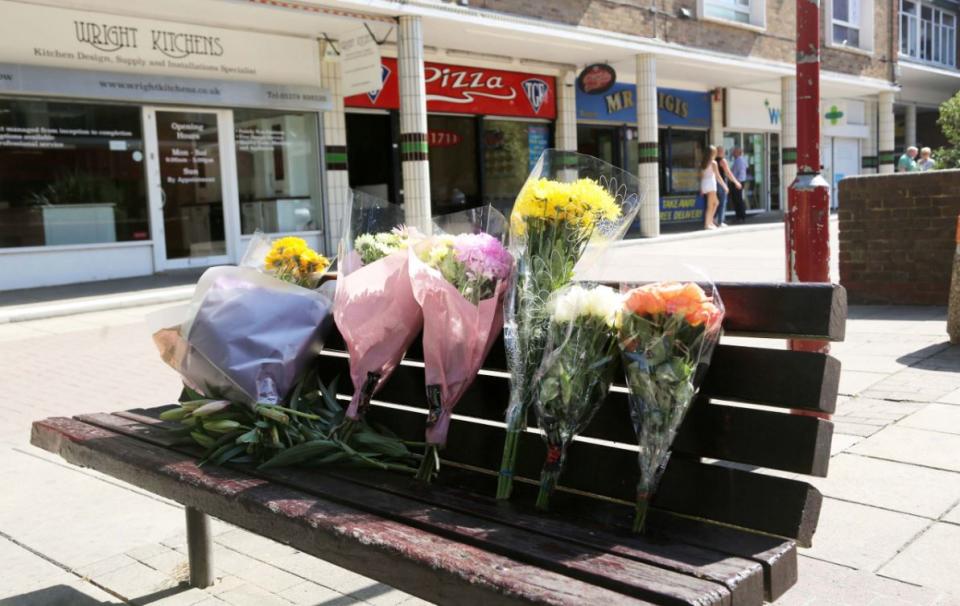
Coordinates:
[682,209]
[469,90]
[81,40]
[596,79]
[843,118]
[359,62]
[159,89]
[443,138]
[753,110]
[619,104]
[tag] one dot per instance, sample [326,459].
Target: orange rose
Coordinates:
[704,314]
[684,299]
[645,301]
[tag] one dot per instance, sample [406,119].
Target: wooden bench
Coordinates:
[724,529]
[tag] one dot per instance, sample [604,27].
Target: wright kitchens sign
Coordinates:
[55,37]
[468,90]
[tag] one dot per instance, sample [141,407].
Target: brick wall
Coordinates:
[897,236]
[776,42]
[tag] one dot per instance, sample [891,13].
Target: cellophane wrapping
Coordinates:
[374,307]
[569,209]
[579,363]
[668,333]
[459,281]
[246,336]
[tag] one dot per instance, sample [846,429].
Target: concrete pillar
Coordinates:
[716,118]
[886,153]
[910,126]
[868,164]
[788,131]
[337,191]
[566,127]
[413,124]
[648,147]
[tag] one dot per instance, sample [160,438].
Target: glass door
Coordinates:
[186,171]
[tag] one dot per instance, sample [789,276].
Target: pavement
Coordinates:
[889,530]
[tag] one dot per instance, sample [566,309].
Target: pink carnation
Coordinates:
[483,255]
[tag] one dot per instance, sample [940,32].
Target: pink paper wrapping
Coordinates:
[457,336]
[376,313]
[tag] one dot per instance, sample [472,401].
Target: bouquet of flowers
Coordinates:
[569,201]
[459,283]
[374,307]
[579,362]
[667,331]
[244,348]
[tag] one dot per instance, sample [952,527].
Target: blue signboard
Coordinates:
[619,104]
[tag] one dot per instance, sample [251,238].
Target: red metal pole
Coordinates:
[808,200]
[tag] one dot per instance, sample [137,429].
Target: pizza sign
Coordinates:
[469,90]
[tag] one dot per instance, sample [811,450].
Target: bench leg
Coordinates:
[199,548]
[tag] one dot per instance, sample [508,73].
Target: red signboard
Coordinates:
[469,90]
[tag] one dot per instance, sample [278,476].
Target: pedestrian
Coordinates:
[709,180]
[925,162]
[724,194]
[908,162]
[739,171]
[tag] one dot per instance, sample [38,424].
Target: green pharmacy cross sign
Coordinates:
[833,115]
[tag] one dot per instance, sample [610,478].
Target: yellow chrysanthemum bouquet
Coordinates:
[570,203]
[291,260]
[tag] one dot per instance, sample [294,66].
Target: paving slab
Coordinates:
[897,486]
[917,446]
[310,594]
[860,536]
[951,398]
[825,584]
[853,382]
[931,561]
[73,593]
[24,570]
[953,516]
[841,442]
[935,417]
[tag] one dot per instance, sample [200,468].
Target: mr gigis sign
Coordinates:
[468,90]
[675,107]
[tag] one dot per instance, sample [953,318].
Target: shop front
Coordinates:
[130,146]
[752,125]
[606,128]
[486,128]
[844,131]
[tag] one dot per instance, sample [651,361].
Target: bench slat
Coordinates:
[778,506]
[423,564]
[767,439]
[577,560]
[771,377]
[735,572]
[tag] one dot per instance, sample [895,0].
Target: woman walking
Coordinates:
[726,178]
[709,178]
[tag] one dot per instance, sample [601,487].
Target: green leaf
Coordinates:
[174,414]
[203,439]
[329,393]
[190,394]
[379,444]
[299,453]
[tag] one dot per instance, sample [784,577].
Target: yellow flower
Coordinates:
[312,262]
[583,203]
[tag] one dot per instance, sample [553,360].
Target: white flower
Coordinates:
[576,301]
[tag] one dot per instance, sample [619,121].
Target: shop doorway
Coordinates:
[373,160]
[604,142]
[190,178]
[756,187]
[841,158]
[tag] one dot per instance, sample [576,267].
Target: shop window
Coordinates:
[71,173]
[928,33]
[453,163]
[851,24]
[278,170]
[747,12]
[681,155]
[511,148]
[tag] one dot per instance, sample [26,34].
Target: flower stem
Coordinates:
[505,482]
[430,464]
[640,516]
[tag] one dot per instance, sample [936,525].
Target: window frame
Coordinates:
[754,10]
[864,26]
[942,38]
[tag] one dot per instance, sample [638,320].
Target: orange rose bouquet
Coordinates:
[667,331]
